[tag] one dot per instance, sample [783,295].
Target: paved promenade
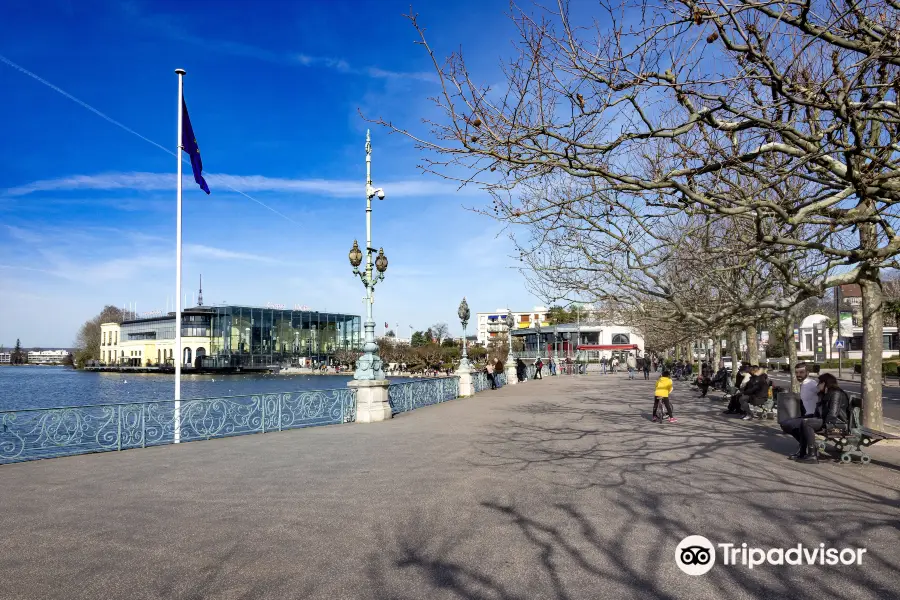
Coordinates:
[559,489]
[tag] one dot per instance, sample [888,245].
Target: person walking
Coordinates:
[631,365]
[538,366]
[603,365]
[615,365]
[646,369]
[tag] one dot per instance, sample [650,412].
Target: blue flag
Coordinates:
[189,143]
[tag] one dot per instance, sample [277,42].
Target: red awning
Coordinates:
[610,347]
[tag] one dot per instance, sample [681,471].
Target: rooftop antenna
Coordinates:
[200,295]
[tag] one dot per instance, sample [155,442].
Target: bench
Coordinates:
[849,439]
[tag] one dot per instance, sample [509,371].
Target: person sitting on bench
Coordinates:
[832,408]
[835,402]
[756,392]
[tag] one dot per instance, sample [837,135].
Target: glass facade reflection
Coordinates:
[244,336]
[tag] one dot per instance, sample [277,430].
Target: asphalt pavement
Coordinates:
[556,489]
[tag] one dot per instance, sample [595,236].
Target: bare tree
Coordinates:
[679,113]
[440,332]
[87,344]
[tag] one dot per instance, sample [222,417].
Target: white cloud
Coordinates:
[201,251]
[172,26]
[342,66]
[153,182]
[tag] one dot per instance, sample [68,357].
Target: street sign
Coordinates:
[839,344]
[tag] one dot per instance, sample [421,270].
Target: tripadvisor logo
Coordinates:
[696,555]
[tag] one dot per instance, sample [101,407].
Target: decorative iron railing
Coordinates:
[416,394]
[480,381]
[500,378]
[51,432]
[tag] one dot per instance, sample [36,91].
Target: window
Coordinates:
[525,319]
[103,342]
[886,341]
[809,342]
[620,339]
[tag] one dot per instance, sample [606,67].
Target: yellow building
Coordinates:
[150,342]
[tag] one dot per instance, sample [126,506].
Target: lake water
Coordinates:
[46,387]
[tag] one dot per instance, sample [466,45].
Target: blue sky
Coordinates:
[87,209]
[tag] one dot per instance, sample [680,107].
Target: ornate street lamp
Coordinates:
[464,314]
[510,358]
[369,365]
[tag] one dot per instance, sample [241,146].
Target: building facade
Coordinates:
[804,337]
[5,358]
[48,357]
[490,325]
[224,337]
[587,342]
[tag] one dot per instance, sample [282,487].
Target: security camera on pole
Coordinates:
[511,378]
[369,381]
[466,385]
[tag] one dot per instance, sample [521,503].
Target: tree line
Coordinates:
[698,172]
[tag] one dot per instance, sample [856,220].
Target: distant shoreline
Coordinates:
[36,365]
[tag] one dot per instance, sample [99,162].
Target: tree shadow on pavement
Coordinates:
[566,551]
[606,497]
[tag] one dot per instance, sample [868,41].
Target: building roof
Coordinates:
[811,320]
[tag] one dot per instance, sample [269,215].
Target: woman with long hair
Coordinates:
[831,409]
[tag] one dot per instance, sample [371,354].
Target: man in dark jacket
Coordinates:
[756,391]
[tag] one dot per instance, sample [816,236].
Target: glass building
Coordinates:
[244,336]
[230,337]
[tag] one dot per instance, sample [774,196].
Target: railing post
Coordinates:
[263,424]
[143,425]
[119,436]
[280,398]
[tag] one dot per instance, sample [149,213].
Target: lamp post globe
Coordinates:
[381,263]
[355,255]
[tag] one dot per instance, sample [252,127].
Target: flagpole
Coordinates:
[178,352]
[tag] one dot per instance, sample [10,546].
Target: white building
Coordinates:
[47,357]
[592,342]
[490,325]
[397,340]
[804,337]
[5,358]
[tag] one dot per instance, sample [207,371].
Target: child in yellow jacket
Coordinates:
[663,389]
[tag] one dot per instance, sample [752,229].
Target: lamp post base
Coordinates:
[372,404]
[512,378]
[466,384]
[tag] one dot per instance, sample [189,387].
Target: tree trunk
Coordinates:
[752,345]
[873,330]
[735,349]
[792,351]
[717,345]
